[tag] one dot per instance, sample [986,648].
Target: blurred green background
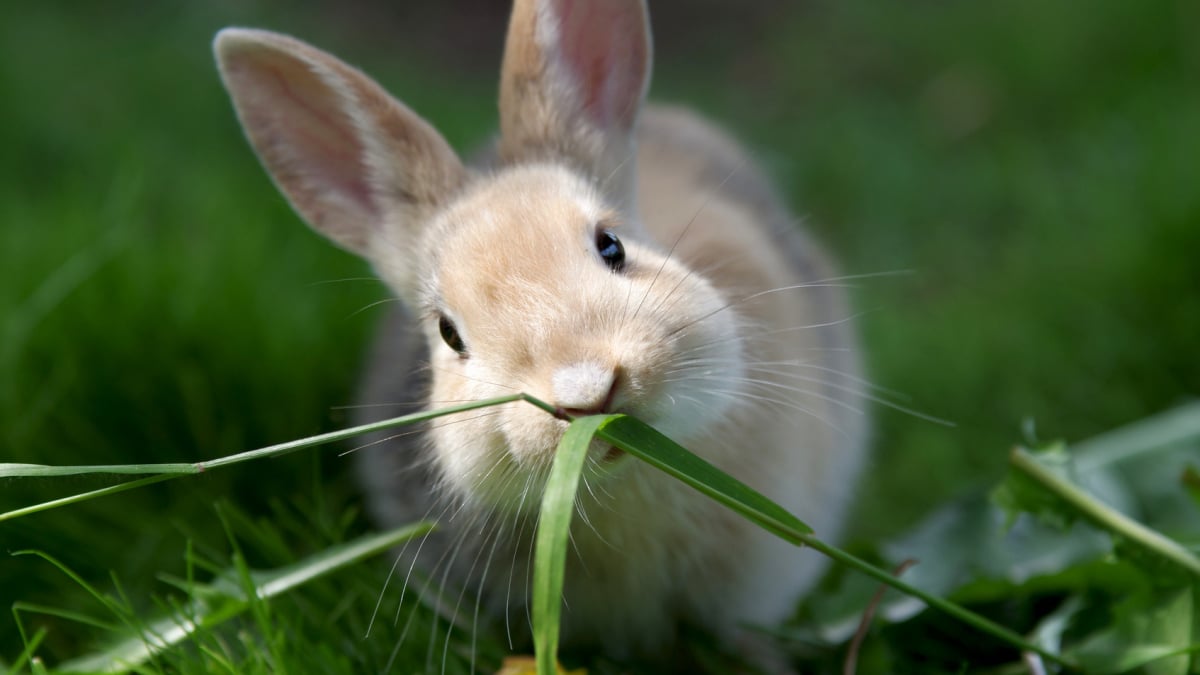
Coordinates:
[1029,169]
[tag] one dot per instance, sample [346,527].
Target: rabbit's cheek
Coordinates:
[470,453]
[704,377]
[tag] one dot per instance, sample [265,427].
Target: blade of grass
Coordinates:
[31,646]
[554,526]
[648,444]
[42,470]
[108,602]
[248,595]
[85,496]
[169,631]
[955,610]
[48,471]
[168,471]
[77,617]
[644,442]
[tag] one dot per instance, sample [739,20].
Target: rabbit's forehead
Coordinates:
[523,234]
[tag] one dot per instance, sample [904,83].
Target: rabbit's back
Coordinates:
[703,197]
[801,439]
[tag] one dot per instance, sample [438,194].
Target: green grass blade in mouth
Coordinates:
[646,443]
[554,526]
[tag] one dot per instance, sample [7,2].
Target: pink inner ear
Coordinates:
[334,153]
[604,46]
[303,134]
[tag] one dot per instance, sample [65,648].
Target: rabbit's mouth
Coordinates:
[610,461]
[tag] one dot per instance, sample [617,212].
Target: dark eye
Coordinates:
[610,250]
[451,336]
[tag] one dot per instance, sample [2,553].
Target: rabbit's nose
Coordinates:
[585,388]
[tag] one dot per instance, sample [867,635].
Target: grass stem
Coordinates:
[166,471]
[1103,515]
[957,611]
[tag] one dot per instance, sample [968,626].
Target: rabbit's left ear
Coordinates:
[574,76]
[358,165]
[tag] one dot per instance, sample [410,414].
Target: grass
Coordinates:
[1157,577]
[1032,166]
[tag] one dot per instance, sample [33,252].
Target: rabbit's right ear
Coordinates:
[574,76]
[353,161]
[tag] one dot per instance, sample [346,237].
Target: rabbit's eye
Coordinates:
[451,336]
[610,250]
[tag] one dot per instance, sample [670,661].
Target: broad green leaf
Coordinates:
[1049,631]
[965,552]
[648,444]
[1138,542]
[554,526]
[220,601]
[1152,631]
[1021,494]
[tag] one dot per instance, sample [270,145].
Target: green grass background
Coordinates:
[1032,167]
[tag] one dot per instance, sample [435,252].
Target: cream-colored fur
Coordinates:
[724,327]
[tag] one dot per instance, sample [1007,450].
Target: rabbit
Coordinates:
[605,256]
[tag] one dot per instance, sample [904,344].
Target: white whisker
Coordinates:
[377,303]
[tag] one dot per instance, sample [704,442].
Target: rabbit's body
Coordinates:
[651,550]
[670,284]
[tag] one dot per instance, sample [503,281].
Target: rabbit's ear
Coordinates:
[574,76]
[352,160]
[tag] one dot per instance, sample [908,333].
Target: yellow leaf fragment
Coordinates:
[527,665]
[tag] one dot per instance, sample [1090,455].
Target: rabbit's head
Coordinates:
[534,276]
